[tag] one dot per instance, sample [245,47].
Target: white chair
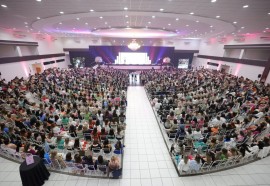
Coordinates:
[90,169]
[102,169]
[263,152]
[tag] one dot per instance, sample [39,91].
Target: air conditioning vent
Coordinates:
[40,37]
[19,34]
[240,39]
[265,38]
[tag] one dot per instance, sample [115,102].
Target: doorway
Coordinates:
[225,69]
[37,68]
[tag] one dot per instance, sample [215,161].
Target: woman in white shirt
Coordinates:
[184,165]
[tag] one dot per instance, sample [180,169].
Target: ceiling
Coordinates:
[117,18]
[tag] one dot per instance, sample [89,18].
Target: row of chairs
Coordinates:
[82,169]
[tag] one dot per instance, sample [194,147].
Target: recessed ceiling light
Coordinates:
[169,24]
[126,15]
[267,28]
[127,22]
[38,17]
[106,23]
[60,23]
[161,9]
[126,8]
[39,0]
[177,19]
[245,6]
[213,1]
[149,22]
[191,13]
[153,17]
[196,30]
[78,18]
[86,23]
[269,13]
[234,22]
[197,21]
[187,25]
[25,23]
[217,16]
[74,28]
[4,6]
[26,26]
[163,28]
[91,10]
[242,27]
[101,17]
[211,26]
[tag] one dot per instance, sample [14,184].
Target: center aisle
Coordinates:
[146,158]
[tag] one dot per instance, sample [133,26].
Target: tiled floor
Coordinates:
[146,160]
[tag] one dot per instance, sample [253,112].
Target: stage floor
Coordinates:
[134,67]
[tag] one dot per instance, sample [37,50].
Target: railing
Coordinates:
[218,165]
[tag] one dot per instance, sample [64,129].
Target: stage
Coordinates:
[134,67]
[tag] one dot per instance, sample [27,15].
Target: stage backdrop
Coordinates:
[109,54]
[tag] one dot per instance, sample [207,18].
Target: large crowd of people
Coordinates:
[210,117]
[73,118]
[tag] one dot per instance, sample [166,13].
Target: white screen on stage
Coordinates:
[183,63]
[132,58]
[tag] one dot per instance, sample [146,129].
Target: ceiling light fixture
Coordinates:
[217,16]
[4,6]
[149,22]
[161,9]
[267,28]
[177,19]
[126,8]
[60,23]
[169,24]
[153,17]
[78,18]
[187,25]
[211,26]
[101,17]
[25,23]
[86,23]
[126,15]
[242,27]
[234,22]
[197,21]
[134,45]
[38,17]
[91,10]
[213,1]
[61,12]
[191,13]
[245,6]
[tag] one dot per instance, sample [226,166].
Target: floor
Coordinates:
[146,160]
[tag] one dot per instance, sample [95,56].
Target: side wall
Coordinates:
[237,69]
[24,68]
[48,45]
